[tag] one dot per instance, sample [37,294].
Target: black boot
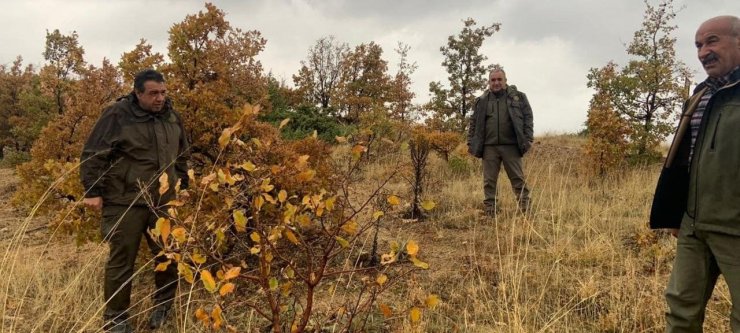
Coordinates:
[159,316]
[117,324]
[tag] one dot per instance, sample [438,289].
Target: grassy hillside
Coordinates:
[584,261]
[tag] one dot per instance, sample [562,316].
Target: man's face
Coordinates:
[497,81]
[717,48]
[152,98]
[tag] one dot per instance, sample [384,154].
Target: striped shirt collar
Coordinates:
[715,83]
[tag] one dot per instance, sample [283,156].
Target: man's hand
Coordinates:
[94,203]
[673,232]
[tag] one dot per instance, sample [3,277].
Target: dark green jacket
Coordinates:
[128,149]
[521,116]
[705,192]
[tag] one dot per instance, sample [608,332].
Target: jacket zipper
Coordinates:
[714,135]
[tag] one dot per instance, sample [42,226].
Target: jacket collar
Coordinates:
[141,113]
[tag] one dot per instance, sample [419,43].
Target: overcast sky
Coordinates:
[546,46]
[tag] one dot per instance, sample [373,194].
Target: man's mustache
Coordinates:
[709,58]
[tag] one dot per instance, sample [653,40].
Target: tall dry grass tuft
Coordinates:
[582,261]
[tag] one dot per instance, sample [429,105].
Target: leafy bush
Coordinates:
[12,157]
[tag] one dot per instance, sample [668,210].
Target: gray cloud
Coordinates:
[547,46]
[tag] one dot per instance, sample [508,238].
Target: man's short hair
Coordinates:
[146,75]
[497,68]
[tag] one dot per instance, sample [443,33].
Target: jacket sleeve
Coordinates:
[471,123]
[183,155]
[528,121]
[97,153]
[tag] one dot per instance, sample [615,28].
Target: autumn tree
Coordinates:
[137,60]
[364,81]
[24,110]
[55,155]
[319,76]
[213,73]
[400,94]
[649,90]
[13,82]
[466,75]
[607,143]
[64,57]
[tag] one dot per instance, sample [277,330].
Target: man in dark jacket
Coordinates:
[136,140]
[697,197]
[500,131]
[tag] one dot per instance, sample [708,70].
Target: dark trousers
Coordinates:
[701,256]
[122,228]
[511,158]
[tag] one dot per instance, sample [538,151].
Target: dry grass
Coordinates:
[584,261]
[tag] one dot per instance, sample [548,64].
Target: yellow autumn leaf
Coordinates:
[304,220]
[286,288]
[357,151]
[162,266]
[217,318]
[269,198]
[225,137]
[432,301]
[232,273]
[202,315]
[306,175]
[226,289]
[266,187]
[412,248]
[343,242]
[258,202]
[164,184]
[415,315]
[273,283]
[419,263]
[377,215]
[248,166]
[208,282]
[185,271]
[382,279]
[340,139]
[240,221]
[255,237]
[394,200]
[291,236]
[388,258]
[180,234]
[284,122]
[254,250]
[198,258]
[329,203]
[163,227]
[282,196]
[428,205]
[350,227]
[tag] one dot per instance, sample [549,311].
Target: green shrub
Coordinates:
[459,165]
[12,157]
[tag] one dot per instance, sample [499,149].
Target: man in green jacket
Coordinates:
[500,131]
[135,141]
[698,197]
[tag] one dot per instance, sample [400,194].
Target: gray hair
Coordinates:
[497,68]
